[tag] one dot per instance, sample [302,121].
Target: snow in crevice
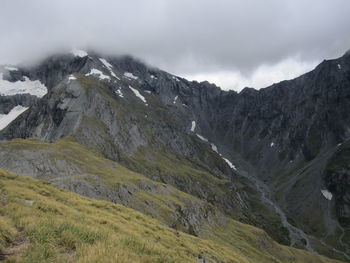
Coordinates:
[109,66]
[79,53]
[175,99]
[215,149]
[202,138]
[328,195]
[8,88]
[229,164]
[148,91]
[339,66]
[6,119]
[193,126]
[11,68]
[99,73]
[138,94]
[119,92]
[130,75]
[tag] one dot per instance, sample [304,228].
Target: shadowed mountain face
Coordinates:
[277,158]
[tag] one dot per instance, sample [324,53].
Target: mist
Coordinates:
[232,43]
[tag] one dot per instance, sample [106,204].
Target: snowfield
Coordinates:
[8,88]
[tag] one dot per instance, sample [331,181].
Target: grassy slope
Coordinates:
[148,196]
[64,227]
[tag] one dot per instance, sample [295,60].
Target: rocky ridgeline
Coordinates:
[286,136]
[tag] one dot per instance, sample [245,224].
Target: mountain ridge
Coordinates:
[147,120]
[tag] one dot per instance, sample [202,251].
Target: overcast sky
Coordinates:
[233,43]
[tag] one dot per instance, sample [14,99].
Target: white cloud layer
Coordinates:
[263,76]
[213,38]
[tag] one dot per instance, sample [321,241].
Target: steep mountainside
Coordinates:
[41,223]
[193,154]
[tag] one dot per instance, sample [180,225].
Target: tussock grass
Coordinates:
[64,227]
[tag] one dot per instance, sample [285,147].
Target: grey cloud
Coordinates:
[182,36]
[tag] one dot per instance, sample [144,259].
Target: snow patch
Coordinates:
[201,137]
[339,66]
[328,195]
[99,73]
[272,144]
[229,164]
[138,94]
[119,92]
[193,126]
[71,77]
[6,119]
[130,75]
[79,53]
[175,99]
[148,91]
[153,77]
[8,88]
[109,66]
[11,68]
[214,148]
[176,78]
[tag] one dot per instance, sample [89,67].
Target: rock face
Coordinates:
[259,156]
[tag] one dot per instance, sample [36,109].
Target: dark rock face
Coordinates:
[285,135]
[8,102]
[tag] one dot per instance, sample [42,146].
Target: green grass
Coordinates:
[148,196]
[64,227]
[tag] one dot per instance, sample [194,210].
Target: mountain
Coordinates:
[187,153]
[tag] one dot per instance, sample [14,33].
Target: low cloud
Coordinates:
[263,76]
[249,39]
